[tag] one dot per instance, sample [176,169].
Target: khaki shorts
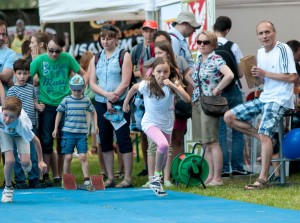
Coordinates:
[7,143]
[205,128]
[151,151]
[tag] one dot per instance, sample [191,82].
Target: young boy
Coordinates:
[26,93]
[75,131]
[15,127]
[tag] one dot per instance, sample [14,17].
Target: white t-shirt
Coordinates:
[279,60]
[158,112]
[20,127]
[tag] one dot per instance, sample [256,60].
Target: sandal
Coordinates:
[103,174]
[260,184]
[109,183]
[119,175]
[124,184]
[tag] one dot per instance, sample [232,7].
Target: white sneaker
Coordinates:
[168,183]
[146,185]
[7,195]
[156,186]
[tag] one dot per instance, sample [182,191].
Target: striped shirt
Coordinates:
[75,113]
[27,95]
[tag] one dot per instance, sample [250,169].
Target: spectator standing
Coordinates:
[141,53]
[26,93]
[110,83]
[53,70]
[276,66]
[234,97]
[211,76]
[74,107]
[184,26]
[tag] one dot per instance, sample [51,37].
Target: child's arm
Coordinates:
[131,92]
[38,106]
[178,90]
[38,148]
[95,122]
[2,93]
[57,121]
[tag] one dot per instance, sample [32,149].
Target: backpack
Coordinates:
[121,58]
[225,52]
[181,49]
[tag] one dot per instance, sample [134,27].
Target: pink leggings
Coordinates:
[161,139]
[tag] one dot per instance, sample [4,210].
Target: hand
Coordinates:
[126,107]
[34,53]
[112,97]
[110,108]
[41,107]
[257,72]
[169,83]
[96,130]
[54,133]
[42,167]
[216,92]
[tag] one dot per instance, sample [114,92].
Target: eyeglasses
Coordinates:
[109,27]
[54,51]
[205,42]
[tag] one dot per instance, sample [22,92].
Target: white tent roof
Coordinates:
[52,11]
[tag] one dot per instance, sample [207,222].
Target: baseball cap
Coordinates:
[76,83]
[150,24]
[189,18]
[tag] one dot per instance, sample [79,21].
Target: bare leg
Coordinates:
[84,165]
[67,163]
[101,160]
[8,167]
[109,163]
[128,161]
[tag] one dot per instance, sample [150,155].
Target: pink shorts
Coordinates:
[180,124]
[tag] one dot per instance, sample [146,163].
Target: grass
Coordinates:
[282,197]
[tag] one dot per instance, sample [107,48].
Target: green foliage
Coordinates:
[17,4]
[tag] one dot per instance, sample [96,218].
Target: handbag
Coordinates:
[182,109]
[212,105]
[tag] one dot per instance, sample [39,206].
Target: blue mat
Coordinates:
[133,205]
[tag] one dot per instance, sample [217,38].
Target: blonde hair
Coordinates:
[85,59]
[213,39]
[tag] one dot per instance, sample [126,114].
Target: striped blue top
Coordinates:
[75,113]
[27,95]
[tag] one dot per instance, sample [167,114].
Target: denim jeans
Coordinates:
[34,173]
[234,97]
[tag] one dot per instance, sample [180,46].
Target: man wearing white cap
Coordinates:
[184,26]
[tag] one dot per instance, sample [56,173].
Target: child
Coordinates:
[75,129]
[26,93]
[158,91]
[15,127]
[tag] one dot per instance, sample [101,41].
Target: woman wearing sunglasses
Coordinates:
[110,83]
[214,75]
[53,70]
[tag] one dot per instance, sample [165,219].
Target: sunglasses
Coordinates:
[109,27]
[54,51]
[205,42]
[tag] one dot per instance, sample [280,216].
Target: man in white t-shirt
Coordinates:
[276,66]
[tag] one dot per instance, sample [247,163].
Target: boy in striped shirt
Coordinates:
[75,130]
[26,93]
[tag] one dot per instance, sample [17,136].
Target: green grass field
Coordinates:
[279,196]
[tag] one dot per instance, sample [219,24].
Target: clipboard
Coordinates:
[246,64]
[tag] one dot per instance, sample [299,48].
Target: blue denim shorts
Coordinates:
[271,113]
[71,140]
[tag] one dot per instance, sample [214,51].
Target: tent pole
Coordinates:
[211,14]
[72,48]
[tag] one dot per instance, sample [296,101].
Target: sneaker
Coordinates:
[241,173]
[146,185]
[226,175]
[7,195]
[36,184]
[156,186]
[21,185]
[168,183]
[144,172]
[56,182]
[47,180]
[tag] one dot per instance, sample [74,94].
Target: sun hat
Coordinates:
[77,83]
[189,18]
[150,24]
